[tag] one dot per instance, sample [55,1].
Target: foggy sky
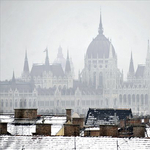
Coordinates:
[35,25]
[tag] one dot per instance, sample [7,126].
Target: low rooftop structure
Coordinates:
[96,117]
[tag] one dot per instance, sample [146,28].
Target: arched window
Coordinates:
[106,102]
[47,111]
[34,103]
[137,98]
[20,102]
[115,102]
[133,99]
[63,111]
[146,99]
[6,103]
[142,97]
[16,105]
[124,98]
[94,79]
[10,102]
[129,99]
[59,87]
[102,102]
[2,103]
[100,80]
[120,99]
[78,103]
[29,102]
[57,102]
[25,103]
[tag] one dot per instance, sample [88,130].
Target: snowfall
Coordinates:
[22,139]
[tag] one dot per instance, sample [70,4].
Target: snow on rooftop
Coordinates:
[70,143]
[57,123]
[75,115]
[6,118]
[92,128]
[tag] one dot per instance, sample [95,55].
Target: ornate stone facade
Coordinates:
[51,88]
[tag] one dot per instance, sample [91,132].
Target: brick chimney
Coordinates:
[68,114]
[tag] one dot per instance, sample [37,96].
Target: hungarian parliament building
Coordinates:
[51,88]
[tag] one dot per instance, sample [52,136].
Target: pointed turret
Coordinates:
[13,77]
[100,29]
[67,68]
[131,68]
[60,58]
[60,54]
[47,58]
[26,65]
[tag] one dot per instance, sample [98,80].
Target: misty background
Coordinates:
[35,25]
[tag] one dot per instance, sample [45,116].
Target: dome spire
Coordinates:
[100,29]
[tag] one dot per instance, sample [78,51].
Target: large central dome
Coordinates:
[100,46]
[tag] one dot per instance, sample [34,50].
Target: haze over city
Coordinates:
[35,25]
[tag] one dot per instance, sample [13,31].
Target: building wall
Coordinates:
[92,133]
[3,128]
[78,121]
[109,130]
[71,130]
[139,131]
[26,113]
[43,129]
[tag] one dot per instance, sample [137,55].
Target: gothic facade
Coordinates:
[52,88]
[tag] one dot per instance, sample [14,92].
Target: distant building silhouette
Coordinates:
[52,88]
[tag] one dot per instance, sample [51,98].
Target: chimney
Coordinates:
[68,114]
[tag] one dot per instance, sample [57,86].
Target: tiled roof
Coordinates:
[56,69]
[95,115]
[140,71]
[19,85]
[99,47]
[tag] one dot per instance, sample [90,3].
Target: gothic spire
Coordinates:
[13,77]
[67,55]
[131,67]
[26,65]
[47,58]
[68,67]
[100,29]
